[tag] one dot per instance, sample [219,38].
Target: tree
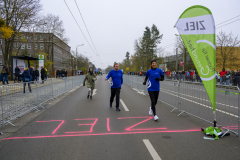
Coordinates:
[127,56]
[52,24]
[146,47]
[5,30]
[226,46]
[108,69]
[19,14]
[47,63]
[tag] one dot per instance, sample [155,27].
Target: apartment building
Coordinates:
[32,44]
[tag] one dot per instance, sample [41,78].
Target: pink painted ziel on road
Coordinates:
[55,130]
[108,128]
[148,118]
[89,133]
[99,134]
[92,125]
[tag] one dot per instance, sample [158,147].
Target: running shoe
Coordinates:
[110,104]
[87,96]
[90,97]
[150,111]
[155,117]
[117,109]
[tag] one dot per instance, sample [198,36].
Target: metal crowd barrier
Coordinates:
[15,103]
[190,98]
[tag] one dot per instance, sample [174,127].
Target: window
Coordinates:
[36,47]
[41,37]
[29,46]
[23,37]
[23,46]
[41,46]
[16,45]
[35,37]
[28,37]
[0,61]
[0,52]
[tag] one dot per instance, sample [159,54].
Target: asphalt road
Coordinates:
[80,128]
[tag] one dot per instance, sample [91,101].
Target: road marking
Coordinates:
[108,128]
[139,91]
[152,151]
[123,104]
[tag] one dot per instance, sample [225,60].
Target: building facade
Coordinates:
[57,52]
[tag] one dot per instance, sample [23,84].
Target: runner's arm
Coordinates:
[145,80]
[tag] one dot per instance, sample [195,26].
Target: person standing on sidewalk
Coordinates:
[17,74]
[91,78]
[222,74]
[155,75]
[36,74]
[26,79]
[5,72]
[31,73]
[228,76]
[42,74]
[117,81]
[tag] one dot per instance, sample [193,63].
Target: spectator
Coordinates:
[5,72]
[42,74]
[197,76]
[234,78]
[26,78]
[17,74]
[31,73]
[57,73]
[65,72]
[46,72]
[237,77]
[228,76]
[183,75]
[36,73]
[194,76]
[222,74]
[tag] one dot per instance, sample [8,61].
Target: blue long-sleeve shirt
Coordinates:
[117,78]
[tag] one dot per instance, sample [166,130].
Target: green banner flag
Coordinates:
[197,29]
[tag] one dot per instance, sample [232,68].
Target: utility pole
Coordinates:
[176,59]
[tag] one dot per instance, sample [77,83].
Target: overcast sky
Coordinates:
[115,24]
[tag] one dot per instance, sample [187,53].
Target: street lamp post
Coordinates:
[76,54]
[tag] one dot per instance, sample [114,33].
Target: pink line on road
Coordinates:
[99,134]
[92,125]
[55,130]
[108,128]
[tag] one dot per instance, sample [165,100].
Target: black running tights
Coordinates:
[154,98]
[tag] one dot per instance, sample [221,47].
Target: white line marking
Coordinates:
[123,104]
[152,151]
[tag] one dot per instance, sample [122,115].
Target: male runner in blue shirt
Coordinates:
[117,81]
